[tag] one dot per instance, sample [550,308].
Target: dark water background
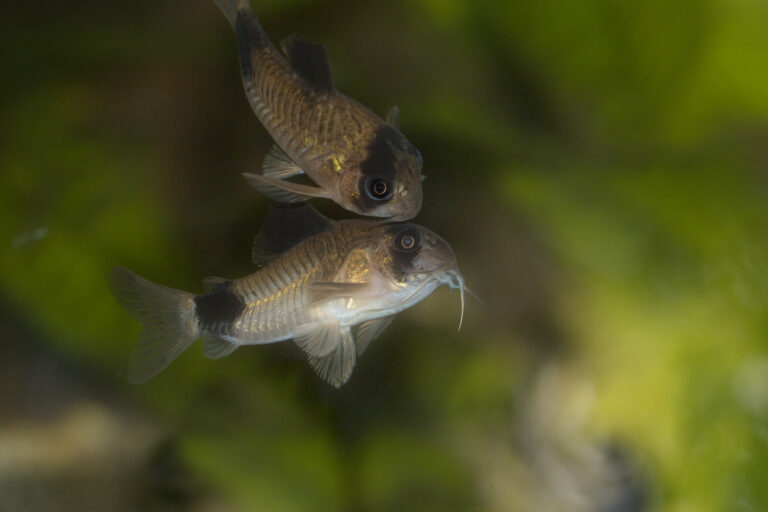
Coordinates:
[599,167]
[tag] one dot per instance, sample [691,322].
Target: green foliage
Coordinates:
[660,255]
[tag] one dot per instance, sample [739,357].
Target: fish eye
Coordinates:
[407,240]
[379,188]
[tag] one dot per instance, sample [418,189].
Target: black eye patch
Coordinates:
[379,169]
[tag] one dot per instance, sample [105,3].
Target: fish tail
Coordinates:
[169,322]
[251,38]
[231,8]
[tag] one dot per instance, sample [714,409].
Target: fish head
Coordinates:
[387,182]
[415,261]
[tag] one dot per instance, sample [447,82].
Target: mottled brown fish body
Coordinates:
[273,303]
[325,134]
[358,160]
[340,275]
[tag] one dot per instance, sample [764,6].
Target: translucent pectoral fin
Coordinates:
[283,191]
[216,348]
[324,291]
[336,367]
[369,331]
[279,165]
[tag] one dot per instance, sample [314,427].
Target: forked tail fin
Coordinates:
[168,318]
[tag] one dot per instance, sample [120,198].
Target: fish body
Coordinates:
[333,292]
[358,160]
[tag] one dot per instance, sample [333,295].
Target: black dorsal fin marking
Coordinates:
[284,227]
[310,61]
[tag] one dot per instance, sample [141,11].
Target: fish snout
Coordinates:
[406,203]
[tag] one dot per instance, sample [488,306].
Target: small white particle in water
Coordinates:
[29,237]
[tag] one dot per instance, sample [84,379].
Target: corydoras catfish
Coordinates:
[358,160]
[330,286]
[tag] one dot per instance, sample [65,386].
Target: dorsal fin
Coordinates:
[393,117]
[285,226]
[310,61]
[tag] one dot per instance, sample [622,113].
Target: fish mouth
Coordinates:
[450,277]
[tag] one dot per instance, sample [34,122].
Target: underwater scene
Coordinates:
[348,256]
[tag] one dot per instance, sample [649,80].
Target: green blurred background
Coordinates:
[600,167]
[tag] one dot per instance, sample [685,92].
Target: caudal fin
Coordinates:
[230,8]
[168,318]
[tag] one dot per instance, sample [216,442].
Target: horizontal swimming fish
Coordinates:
[330,286]
[358,160]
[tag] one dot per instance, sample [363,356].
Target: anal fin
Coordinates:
[216,348]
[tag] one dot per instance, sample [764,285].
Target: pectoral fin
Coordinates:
[369,331]
[216,348]
[324,291]
[277,164]
[336,367]
[283,191]
[393,117]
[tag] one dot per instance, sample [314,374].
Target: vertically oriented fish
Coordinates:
[330,286]
[358,160]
